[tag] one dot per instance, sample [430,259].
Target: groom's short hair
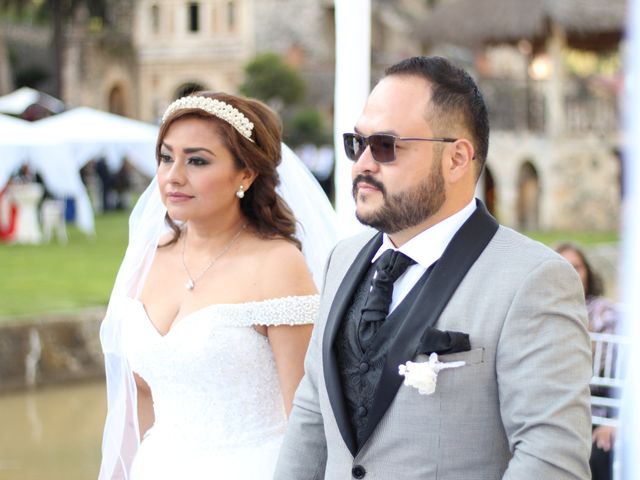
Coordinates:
[455,98]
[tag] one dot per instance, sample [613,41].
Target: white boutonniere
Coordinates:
[423,375]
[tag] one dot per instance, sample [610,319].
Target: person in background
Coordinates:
[122,185]
[603,318]
[106,179]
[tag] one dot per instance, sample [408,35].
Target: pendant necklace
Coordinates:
[191,283]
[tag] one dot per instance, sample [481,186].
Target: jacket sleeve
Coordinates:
[543,368]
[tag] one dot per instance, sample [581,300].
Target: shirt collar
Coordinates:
[429,245]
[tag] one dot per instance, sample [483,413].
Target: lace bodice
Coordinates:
[213,377]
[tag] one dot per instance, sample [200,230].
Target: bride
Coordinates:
[213,306]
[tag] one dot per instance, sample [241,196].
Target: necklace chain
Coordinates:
[191,283]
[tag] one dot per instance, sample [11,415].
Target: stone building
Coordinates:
[183,46]
[24,56]
[554,159]
[6,84]
[161,49]
[100,67]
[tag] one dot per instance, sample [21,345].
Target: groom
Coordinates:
[441,283]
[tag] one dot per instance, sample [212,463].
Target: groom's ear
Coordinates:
[460,160]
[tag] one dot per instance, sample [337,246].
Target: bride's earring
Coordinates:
[240,192]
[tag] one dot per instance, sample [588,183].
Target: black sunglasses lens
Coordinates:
[353,145]
[383,147]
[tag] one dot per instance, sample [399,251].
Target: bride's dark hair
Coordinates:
[267,212]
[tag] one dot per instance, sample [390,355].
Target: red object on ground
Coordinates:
[7,233]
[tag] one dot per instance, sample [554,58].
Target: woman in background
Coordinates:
[602,319]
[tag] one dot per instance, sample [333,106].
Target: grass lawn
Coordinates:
[53,278]
[583,239]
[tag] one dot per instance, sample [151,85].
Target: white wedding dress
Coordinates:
[218,407]
[219,412]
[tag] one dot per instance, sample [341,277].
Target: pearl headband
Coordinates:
[217,108]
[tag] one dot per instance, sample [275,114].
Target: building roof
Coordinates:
[589,24]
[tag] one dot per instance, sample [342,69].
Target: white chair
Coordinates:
[609,352]
[52,213]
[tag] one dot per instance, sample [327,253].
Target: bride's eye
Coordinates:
[198,161]
[164,158]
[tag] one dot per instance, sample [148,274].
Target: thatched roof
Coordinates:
[593,24]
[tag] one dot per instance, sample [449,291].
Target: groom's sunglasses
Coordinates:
[382,145]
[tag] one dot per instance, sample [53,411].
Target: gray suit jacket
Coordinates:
[519,408]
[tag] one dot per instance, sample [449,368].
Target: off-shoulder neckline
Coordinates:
[214,306]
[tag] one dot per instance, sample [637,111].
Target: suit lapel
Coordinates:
[341,303]
[461,253]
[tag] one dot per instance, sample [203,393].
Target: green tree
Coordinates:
[58,13]
[306,126]
[269,78]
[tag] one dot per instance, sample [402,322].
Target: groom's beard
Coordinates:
[405,209]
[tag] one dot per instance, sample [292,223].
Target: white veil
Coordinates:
[316,230]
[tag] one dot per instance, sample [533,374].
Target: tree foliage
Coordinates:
[269,78]
[58,13]
[48,9]
[306,126]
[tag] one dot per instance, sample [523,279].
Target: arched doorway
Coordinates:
[117,101]
[528,205]
[489,190]
[188,88]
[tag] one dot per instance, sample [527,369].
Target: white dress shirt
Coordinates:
[425,248]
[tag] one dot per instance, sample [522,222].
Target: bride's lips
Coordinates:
[178,197]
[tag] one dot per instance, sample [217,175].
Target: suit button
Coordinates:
[362,411]
[364,367]
[358,471]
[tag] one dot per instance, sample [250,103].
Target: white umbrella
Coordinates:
[18,101]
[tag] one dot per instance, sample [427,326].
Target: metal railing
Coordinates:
[518,105]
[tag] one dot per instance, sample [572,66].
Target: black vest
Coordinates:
[360,370]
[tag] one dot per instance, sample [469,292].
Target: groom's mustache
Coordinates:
[371,181]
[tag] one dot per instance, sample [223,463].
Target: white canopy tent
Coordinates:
[59,146]
[92,133]
[16,135]
[20,144]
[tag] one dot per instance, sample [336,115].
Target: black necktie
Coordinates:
[389,267]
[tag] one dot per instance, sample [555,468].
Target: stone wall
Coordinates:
[579,179]
[50,349]
[29,53]
[96,64]
[6,83]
